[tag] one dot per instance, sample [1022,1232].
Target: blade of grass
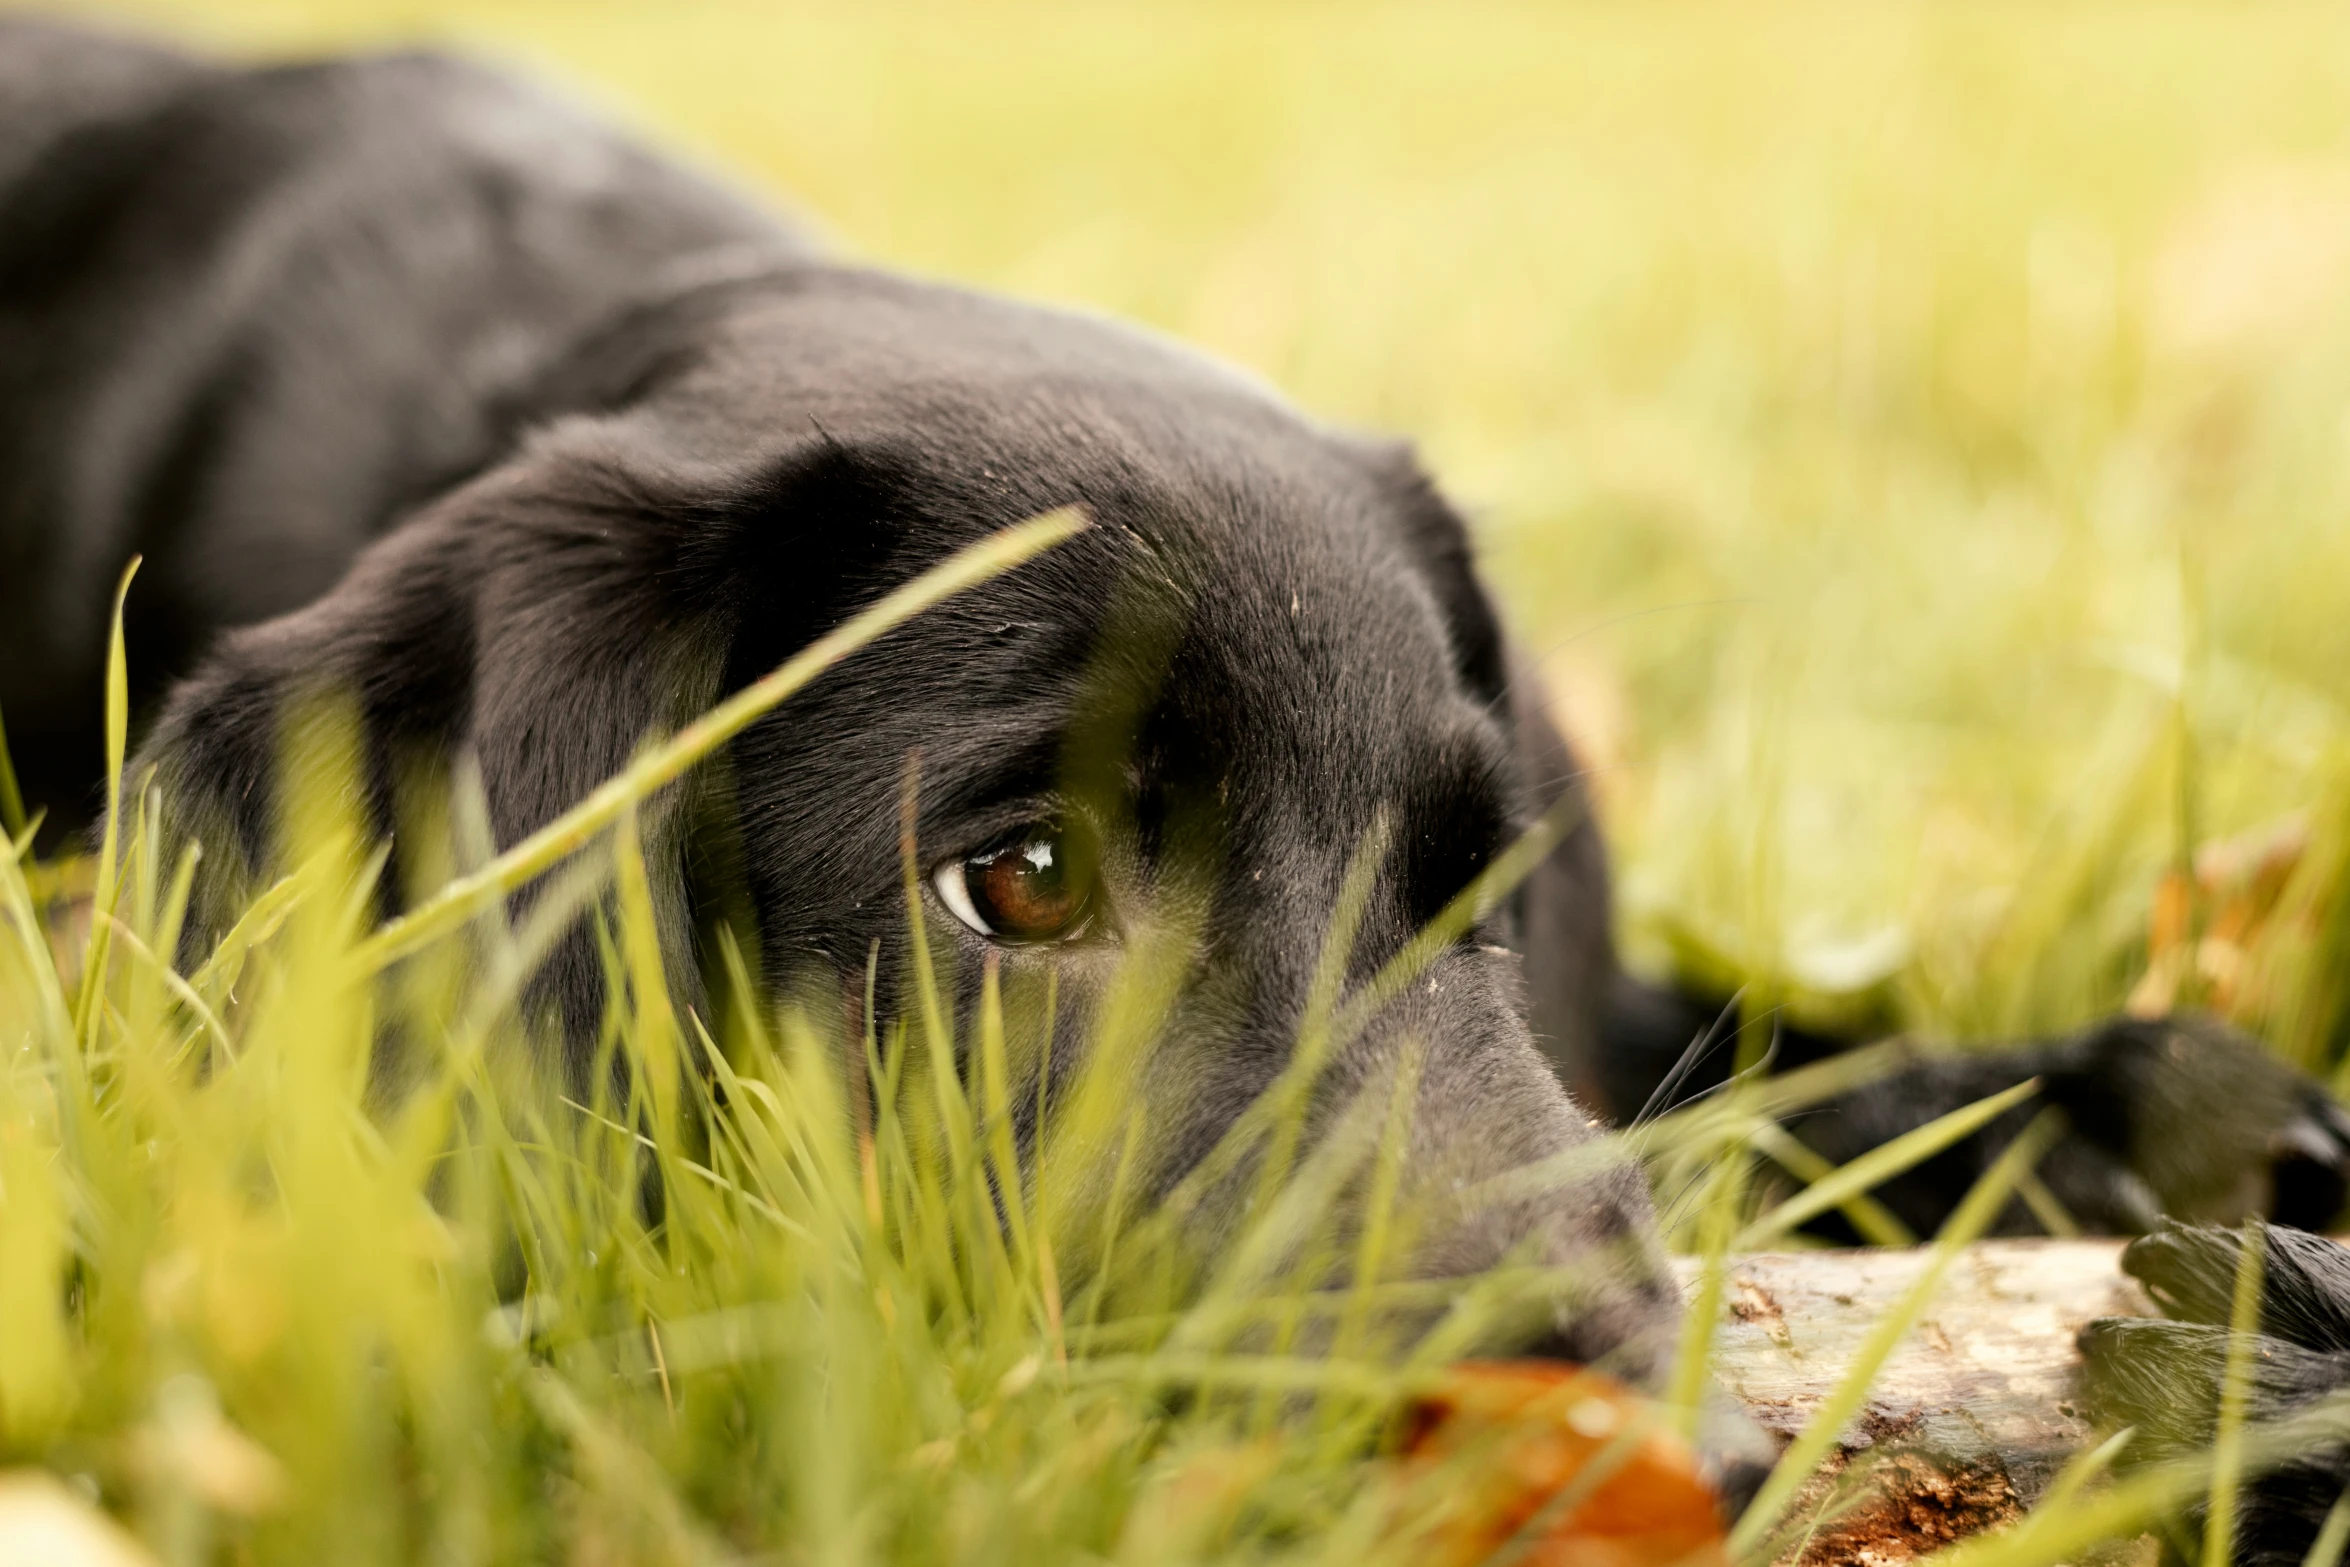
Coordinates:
[1880,1164]
[2085,1469]
[2064,1493]
[261,920]
[1703,1122]
[2054,1217]
[187,995]
[996,1124]
[1871,1219]
[1775,1097]
[102,898]
[12,817]
[651,1045]
[1379,1242]
[1718,1220]
[2235,1397]
[2332,1536]
[1472,904]
[2136,1502]
[1496,882]
[1285,1101]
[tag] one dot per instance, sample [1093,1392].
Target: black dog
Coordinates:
[533,443]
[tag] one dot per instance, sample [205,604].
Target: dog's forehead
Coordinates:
[1051,402]
[965,408]
[1311,641]
[1292,645]
[1330,682]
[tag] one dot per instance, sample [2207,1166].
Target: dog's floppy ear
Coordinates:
[1439,544]
[618,598]
[543,620]
[393,641]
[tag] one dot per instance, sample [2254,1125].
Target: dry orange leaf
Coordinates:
[1589,1463]
[2205,934]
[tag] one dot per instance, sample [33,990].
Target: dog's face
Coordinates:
[1264,662]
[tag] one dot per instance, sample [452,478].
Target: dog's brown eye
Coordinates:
[1034,888]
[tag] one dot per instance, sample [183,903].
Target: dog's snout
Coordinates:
[1501,1169]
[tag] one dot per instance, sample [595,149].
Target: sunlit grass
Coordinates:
[316,1250]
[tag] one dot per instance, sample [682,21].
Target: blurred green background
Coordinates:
[1914,438]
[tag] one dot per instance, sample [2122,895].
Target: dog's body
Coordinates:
[532,444]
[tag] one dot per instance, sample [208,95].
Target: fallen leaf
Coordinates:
[1591,1467]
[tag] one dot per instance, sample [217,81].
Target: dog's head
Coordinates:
[1266,661]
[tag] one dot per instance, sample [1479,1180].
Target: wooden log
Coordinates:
[1970,1419]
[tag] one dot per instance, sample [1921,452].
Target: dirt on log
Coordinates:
[1969,1420]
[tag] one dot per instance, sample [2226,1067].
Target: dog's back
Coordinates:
[248,316]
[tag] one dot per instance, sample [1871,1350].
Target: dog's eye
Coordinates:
[1036,887]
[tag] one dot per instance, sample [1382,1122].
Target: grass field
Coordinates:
[1916,440]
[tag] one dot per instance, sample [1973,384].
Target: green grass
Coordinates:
[1914,440]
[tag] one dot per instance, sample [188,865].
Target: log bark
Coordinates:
[1970,1419]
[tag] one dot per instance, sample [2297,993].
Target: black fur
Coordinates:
[416,385]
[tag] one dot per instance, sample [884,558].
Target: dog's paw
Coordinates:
[2190,1272]
[2163,1376]
[2206,1123]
